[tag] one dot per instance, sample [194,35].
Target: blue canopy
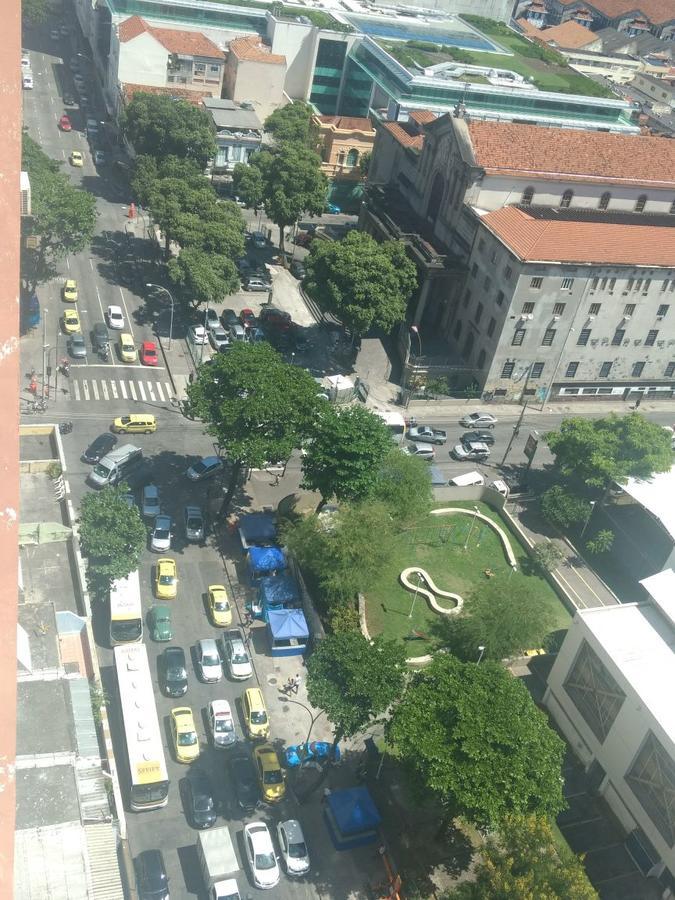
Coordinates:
[288,624]
[437,477]
[278,590]
[257,528]
[265,560]
[353,810]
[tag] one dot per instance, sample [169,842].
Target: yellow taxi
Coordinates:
[70,290]
[185,740]
[256,720]
[219,606]
[270,773]
[77,159]
[71,321]
[127,348]
[136,423]
[166,579]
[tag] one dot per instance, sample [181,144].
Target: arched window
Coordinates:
[353,157]
[436,196]
[528,194]
[640,203]
[566,199]
[341,158]
[604,200]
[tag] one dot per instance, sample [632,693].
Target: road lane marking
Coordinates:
[159,392]
[76,390]
[113,388]
[104,388]
[94,388]
[132,388]
[124,390]
[141,391]
[169,389]
[150,391]
[85,389]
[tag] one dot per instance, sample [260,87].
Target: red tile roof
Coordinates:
[594,156]
[399,133]
[251,48]
[422,116]
[569,35]
[658,11]
[185,43]
[131,28]
[348,123]
[546,238]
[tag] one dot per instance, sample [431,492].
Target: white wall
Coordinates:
[259,83]
[143,60]
[298,43]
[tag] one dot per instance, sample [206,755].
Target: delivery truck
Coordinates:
[218,863]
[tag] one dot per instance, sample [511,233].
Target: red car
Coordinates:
[64,123]
[247,318]
[149,353]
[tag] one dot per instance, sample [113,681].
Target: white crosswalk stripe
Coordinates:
[123,389]
[132,388]
[94,387]
[141,391]
[150,391]
[113,388]
[104,390]
[76,390]
[169,390]
[85,389]
[159,391]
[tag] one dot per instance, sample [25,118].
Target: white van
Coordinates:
[113,467]
[469,479]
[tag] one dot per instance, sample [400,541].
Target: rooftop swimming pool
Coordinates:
[449,32]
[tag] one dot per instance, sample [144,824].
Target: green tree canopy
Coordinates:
[346,452]
[613,448]
[203,277]
[564,508]
[354,680]
[36,11]
[473,734]
[287,182]
[522,862]
[258,407]
[293,124]
[403,484]
[112,534]
[160,126]
[63,217]
[362,282]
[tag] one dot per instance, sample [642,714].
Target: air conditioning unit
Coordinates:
[660,318]
[627,318]
[526,317]
[591,319]
[556,318]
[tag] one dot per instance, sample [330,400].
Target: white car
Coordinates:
[236,656]
[115,317]
[293,847]
[219,338]
[261,857]
[221,723]
[472,450]
[478,420]
[25,62]
[198,334]
[27,81]
[209,663]
[160,539]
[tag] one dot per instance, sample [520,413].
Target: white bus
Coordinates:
[394,422]
[145,752]
[126,612]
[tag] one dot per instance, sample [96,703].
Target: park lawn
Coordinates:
[436,543]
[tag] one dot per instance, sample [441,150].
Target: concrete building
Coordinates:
[344,141]
[661,91]
[256,76]
[649,16]
[239,133]
[610,693]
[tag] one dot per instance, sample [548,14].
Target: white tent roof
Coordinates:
[657,496]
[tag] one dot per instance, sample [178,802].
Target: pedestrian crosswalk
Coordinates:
[109,389]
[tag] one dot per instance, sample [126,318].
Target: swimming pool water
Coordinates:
[402,31]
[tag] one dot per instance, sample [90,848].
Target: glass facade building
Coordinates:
[327,78]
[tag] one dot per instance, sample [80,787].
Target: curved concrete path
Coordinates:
[431,599]
[503,536]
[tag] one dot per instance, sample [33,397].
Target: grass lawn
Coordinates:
[436,543]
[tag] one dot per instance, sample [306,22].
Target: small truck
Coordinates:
[427,434]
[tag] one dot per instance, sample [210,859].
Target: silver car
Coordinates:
[221,723]
[160,539]
[150,506]
[236,655]
[209,663]
[293,847]
[194,523]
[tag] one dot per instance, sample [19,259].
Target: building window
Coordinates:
[481,245]
[518,337]
[537,369]
[605,369]
[652,779]
[584,335]
[612,284]
[549,337]
[567,284]
[467,298]
[500,298]
[640,203]
[474,270]
[664,285]
[662,310]
[478,313]
[491,327]
[214,70]
[458,329]
[629,284]
[527,309]
[637,369]
[566,199]
[487,281]
[670,370]
[508,272]
[353,157]
[480,362]
[594,309]
[507,369]
[646,285]
[528,196]
[637,286]
[571,369]
[593,691]
[629,309]
[468,345]
[536,283]
[604,200]
[559,309]
[594,284]
[619,335]
[652,335]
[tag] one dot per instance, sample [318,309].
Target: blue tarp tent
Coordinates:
[257,529]
[288,631]
[352,818]
[266,560]
[436,476]
[275,591]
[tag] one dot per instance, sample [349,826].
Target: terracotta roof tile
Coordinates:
[194,97]
[187,43]
[541,153]
[348,123]
[250,47]
[569,35]
[399,133]
[131,28]
[529,30]
[658,11]
[545,236]
[422,116]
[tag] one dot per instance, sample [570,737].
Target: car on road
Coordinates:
[261,857]
[100,339]
[73,64]
[270,773]
[99,447]
[228,317]
[293,847]
[127,348]
[220,610]
[92,126]
[236,655]
[247,318]
[333,209]
[236,333]
[136,423]
[211,319]
[483,437]
[199,798]
[159,623]
[55,34]
[243,778]
[256,720]
[194,524]
[204,468]
[70,290]
[427,434]
[219,338]
[259,239]
[149,353]
[166,579]
[76,346]
[173,672]
[473,450]
[160,537]
[271,317]
[151,877]
[71,321]
[478,420]
[197,335]
[27,81]
[185,740]
[221,723]
[257,283]
[65,30]
[79,81]
[77,159]
[65,124]
[424,451]
[115,317]
[298,269]
[209,663]
[99,157]
[68,100]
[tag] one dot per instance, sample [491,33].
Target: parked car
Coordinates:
[160,537]
[99,158]
[173,671]
[211,319]
[236,655]
[478,420]
[243,779]
[304,238]
[194,523]
[166,579]
[293,847]
[65,124]
[247,317]
[185,739]
[151,877]
[298,269]
[149,353]
[422,450]
[209,663]
[92,126]
[115,317]
[76,159]
[27,81]
[55,34]
[197,335]
[236,333]
[259,240]
[204,468]
[70,290]
[228,317]
[474,450]
[221,723]
[150,505]
[71,321]
[261,857]
[199,797]
[270,773]
[219,338]
[333,209]
[257,283]
[76,346]
[271,317]
[68,100]
[159,623]
[427,434]
[219,606]
[99,447]
[484,437]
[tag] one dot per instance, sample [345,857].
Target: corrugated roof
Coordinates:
[251,48]
[544,235]
[103,864]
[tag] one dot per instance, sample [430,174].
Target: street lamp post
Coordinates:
[588,519]
[407,380]
[473,519]
[313,718]
[159,287]
[45,348]
[481,650]
[412,605]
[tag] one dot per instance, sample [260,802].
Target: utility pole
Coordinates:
[45,347]
[516,431]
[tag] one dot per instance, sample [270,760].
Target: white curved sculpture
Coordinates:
[503,536]
[429,594]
